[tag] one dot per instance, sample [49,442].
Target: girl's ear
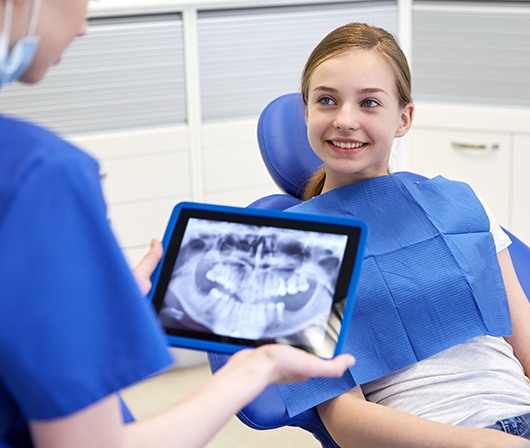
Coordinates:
[407,115]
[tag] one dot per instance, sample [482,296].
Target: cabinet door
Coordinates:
[144,173]
[234,172]
[478,158]
[521,188]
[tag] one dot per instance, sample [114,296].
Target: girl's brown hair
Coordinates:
[356,36]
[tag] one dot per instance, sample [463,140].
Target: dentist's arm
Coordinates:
[195,420]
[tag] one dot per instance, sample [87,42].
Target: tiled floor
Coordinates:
[162,391]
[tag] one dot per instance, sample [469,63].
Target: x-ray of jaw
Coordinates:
[253,282]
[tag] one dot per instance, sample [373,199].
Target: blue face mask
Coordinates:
[14,63]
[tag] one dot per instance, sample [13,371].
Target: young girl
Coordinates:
[441,326]
[74,328]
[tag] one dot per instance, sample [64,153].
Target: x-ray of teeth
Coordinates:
[253,282]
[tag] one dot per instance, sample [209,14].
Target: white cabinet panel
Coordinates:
[234,168]
[232,160]
[521,187]
[136,224]
[481,159]
[242,197]
[145,172]
[145,177]
[132,142]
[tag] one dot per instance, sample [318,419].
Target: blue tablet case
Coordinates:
[233,278]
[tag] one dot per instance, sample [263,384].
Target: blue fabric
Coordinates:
[126,413]
[430,278]
[73,324]
[517,426]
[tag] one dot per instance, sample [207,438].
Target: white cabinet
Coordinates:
[487,147]
[470,75]
[144,173]
[234,172]
[481,159]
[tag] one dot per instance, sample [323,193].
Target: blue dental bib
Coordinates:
[430,278]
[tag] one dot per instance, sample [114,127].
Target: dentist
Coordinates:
[74,328]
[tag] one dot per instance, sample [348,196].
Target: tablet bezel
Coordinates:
[355,229]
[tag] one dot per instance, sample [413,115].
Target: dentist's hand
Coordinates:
[281,364]
[143,271]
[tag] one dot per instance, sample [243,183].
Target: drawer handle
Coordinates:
[475,146]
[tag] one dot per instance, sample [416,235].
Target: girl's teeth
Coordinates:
[347,145]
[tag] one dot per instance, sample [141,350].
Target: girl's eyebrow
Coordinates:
[373,90]
[362,91]
[324,89]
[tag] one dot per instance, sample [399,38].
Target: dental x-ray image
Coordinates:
[253,282]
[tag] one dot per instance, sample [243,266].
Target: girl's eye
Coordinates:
[326,101]
[369,103]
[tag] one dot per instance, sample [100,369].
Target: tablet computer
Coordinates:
[233,278]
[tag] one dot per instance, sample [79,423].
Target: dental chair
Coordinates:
[290,161]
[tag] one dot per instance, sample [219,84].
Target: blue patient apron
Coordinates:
[430,279]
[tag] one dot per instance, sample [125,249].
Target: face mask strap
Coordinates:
[34,20]
[8,14]
[34,17]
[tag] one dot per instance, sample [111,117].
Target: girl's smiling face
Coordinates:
[353,115]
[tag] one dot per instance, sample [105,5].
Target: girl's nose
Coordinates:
[346,118]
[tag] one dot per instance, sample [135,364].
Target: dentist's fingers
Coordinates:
[143,271]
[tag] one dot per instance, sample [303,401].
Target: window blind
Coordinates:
[126,72]
[471,55]
[250,56]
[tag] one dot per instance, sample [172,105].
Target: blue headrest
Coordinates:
[282,138]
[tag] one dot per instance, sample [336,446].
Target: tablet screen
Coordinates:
[234,278]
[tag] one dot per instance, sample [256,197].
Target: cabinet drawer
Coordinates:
[242,197]
[136,224]
[232,160]
[145,177]
[479,158]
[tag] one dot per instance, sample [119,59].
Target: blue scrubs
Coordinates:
[74,327]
